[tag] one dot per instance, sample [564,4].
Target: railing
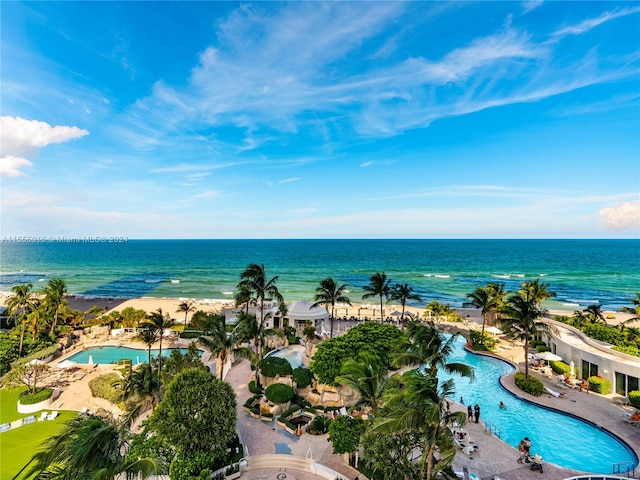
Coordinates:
[597,477]
[623,467]
[492,429]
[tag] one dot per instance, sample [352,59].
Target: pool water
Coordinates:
[560,439]
[292,353]
[111,354]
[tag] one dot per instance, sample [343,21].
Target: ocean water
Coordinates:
[581,272]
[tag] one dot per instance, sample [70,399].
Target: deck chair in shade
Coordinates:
[42,417]
[53,415]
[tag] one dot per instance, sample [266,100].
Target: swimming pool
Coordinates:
[560,439]
[111,354]
[292,353]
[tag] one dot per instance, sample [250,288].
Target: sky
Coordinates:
[320,120]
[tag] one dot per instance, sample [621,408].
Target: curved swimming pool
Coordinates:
[560,439]
[111,354]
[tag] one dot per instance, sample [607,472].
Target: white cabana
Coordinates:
[299,312]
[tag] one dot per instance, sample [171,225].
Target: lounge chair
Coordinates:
[632,418]
[53,415]
[554,393]
[42,417]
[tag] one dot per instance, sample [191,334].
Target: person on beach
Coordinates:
[476,412]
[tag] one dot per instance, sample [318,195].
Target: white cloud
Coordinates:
[289,180]
[623,216]
[21,138]
[529,5]
[11,166]
[590,23]
[366,164]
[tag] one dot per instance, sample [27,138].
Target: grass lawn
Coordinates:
[18,445]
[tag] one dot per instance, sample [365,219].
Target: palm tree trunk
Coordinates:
[331,321]
[160,354]
[526,359]
[22,337]
[381,319]
[484,319]
[402,317]
[149,353]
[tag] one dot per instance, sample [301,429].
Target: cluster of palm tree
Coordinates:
[412,405]
[381,286]
[40,311]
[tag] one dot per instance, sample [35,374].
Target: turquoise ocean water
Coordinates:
[581,272]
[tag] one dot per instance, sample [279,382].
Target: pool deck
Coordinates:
[493,458]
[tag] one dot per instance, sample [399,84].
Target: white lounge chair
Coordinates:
[42,417]
[554,393]
[53,415]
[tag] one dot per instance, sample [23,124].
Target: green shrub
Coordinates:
[279,393]
[293,340]
[302,376]
[629,350]
[542,348]
[634,398]
[481,342]
[274,366]
[599,385]
[319,425]
[289,411]
[40,395]
[188,334]
[536,343]
[107,387]
[560,367]
[532,386]
[251,400]
[253,388]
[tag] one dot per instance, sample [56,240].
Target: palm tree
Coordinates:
[379,285]
[158,322]
[90,447]
[148,336]
[20,305]
[420,405]
[283,311]
[366,376]
[578,319]
[522,324]
[254,280]
[187,307]
[329,293]
[224,345]
[54,300]
[634,310]
[402,293]
[536,291]
[437,310]
[243,297]
[595,314]
[481,298]
[424,346]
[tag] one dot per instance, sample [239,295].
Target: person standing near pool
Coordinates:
[476,412]
[469,413]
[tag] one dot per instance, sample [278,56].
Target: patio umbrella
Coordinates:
[493,330]
[66,364]
[572,365]
[36,361]
[547,356]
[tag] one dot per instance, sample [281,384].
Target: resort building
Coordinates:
[594,358]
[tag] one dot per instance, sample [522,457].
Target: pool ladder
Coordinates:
[492,429]
[623,467]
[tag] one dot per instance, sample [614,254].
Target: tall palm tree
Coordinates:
[402,293]
[148,336]
[20,305]
[536,291]
[54,300]
[90,447]
[186,307]
[420,405]
[254,280]
[634,309]
[367,376]
[379,285]
[223,345]
[595,314]
[329,293]
[523,312]
[424,346]
[481,298]
[158,322]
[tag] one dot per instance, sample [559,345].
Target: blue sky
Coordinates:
[321,120]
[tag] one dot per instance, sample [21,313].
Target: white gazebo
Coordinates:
[299,312]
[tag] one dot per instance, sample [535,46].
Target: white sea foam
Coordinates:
[175,281]
[571,304]
[442,276]
[505,275]
[228,292]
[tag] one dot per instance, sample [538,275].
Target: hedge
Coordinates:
[542,348]
[279,393]
[253,388]
[274,366]
[599,385]
[535,343]
[250,401]
[290,411]
[103,387]
[293,340]
[560,367]
[302,376]
[40,395]
[634,398]
[532,386]
[39,355]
